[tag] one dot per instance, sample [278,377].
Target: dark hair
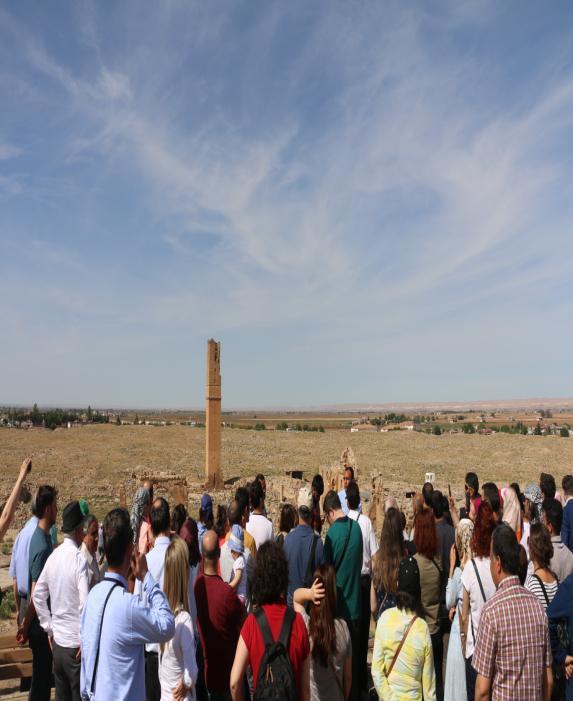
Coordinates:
[350,469]
[540,545]
[473,482]
[331,502]
[206,517]
[427,491]
[287,520]
[178,517]
[260,477]
[117,536]
[437,503]
[322,628]
[387,558]
[221,522]
[567,484]
[190,534]
[159,516]
[425,534]
[235,513]
[270,574]
[45,496]
[353,496]
[491,494]
[505,546]
[87,522]
[318,485]
[402,521]
[408,602]
[523,565]
[484,526]
[256,494]
[242,497]
[519,494]
[547,485]
[553,514]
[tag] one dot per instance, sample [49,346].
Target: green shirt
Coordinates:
[347,568]
[40,550]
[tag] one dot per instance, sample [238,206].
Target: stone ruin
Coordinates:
[165,484]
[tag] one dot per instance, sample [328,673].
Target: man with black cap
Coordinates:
[59,598]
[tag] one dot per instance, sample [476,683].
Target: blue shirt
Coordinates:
[297,547]
[19,561]
[127,626]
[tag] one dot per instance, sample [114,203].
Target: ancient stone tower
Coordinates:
[213,477]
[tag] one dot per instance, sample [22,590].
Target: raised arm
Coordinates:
[314,594]
[154,622]
[10,507]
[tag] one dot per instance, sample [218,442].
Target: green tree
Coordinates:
[321,429]
[564,432]
[90,413]
[118,420]
[437,431]
[36,416]
[281,426]
[537,430]
[260,427]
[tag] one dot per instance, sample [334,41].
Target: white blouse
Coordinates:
[178,661]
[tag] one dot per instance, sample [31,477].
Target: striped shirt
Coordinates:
[412,677]
[535,587]
[512,646]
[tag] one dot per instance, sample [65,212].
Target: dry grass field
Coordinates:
[94,461]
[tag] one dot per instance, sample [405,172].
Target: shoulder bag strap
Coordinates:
[437,566]
[310,563]
[543,589]
[397,653]
[286,627]
[337,566]
[479,580]
[263,623]
[115,584]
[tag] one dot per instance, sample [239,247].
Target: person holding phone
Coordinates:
[10,506]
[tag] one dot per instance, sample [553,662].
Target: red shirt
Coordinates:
[298,647]
[219,615]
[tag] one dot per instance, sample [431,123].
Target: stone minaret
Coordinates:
[213,477]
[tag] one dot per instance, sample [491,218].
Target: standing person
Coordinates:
[330,646]
[221,526]
[567,525]
[478,587]
[237,519]
[40,550]
[455,681]
[347,478]
[273,621]
[427,492]
[473,497]
[343,550]
[303,549]
[512,511]
[562,560]
[177,661]
[446,536]
[317,489]
[219,616]
[89,549]
[560,614]
[116,625]
[532,500]
[239,581]
[542,582]
[369,549]
[287,521]
[242,499]
[260,478]
[205,522]
[59,597]
[19,563]
[258,524]
[512,652]
[10,506]
[402,662]
[385,564]
[140,517]
[547,485]
[426,542]
[178,517]
[493,497]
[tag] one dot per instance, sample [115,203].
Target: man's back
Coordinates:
[567,526]
[220,615]
[562,560]
[512,646]
[126,627]
[19,562]
[297,547]
[347,560]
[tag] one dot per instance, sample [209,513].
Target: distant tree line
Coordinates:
[52,418]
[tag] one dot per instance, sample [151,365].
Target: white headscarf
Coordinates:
[511,509]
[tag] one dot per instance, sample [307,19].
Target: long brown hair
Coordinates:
[321,628]
[391,551]
[425,534]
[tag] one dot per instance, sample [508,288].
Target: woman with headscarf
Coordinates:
[531,512]
[139,518]
[512,511]
[455,681]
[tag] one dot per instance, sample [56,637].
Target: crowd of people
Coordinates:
[473,602]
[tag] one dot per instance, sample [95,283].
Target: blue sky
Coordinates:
[364,201]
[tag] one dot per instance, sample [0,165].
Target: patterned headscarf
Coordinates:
[140,501]
[464,532]
[533,493]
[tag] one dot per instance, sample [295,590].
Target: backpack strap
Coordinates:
[341,559]
[286,627]
[263,624]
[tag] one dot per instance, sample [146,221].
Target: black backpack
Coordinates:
[276,677]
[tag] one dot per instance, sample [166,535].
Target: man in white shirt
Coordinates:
[161,529]
[258,525]
[369,549]
[64,584]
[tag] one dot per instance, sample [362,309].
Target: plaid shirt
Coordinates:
[512,646]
